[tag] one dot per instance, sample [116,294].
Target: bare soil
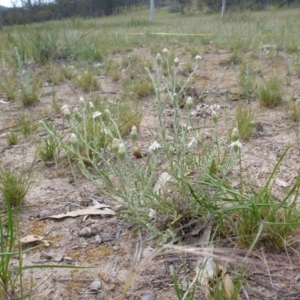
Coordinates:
[116,253]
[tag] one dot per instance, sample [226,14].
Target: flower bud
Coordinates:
[158,59]
[189,103]
[107,113]
[235,135]
[82,102]
[133,134]
[166,52]
[176,62]
[175,99]
[67,114]
[115,146]
[77,115]
[92,107]
[214,117]
[74,142]
[122,152]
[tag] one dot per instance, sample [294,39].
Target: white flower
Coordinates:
[154,147]
[96,114]
[158,59]
[176,62]
[165,52]
[198,57]
[236,145]
[152,213]
[92,105]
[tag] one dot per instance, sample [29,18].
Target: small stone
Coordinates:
[115,248]
[95,285]
[148,296]
[85,232]
[98,239]
[45,213]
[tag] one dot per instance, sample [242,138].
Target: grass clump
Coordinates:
[11,138]
[244,117]
[14,185]
[87,81]
[9,86]
[48,149]
[246,80]
[270,92]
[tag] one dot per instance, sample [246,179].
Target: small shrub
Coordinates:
[270,92]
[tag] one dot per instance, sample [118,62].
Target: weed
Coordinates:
[244,117]
[270,92]
[297,69]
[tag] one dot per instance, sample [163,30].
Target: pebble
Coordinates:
[148,296]
[85,232]
[95,285]
[115,248]
[45,213]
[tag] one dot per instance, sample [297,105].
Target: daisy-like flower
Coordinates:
[96,114]
[236,145]
[155,146]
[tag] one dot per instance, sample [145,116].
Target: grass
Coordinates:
[245,121]
[177,181]
[270,92]
[14,185]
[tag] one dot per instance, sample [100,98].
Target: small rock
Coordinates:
[85,232]
[148,296]
[115,248]
[98,239]
[95,285]
[45,213]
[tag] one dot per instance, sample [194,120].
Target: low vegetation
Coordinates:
[195,166]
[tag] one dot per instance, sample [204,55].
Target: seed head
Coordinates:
[176,62]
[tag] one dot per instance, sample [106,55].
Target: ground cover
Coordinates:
[181,205]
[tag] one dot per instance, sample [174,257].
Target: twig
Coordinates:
[42,282]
